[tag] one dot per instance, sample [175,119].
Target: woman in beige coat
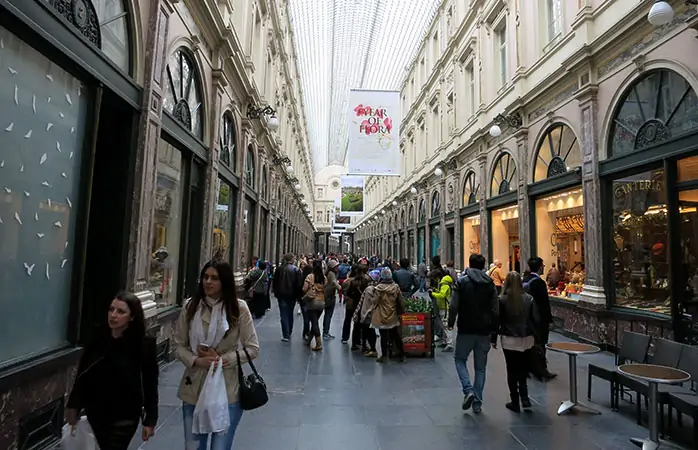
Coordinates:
[212,326]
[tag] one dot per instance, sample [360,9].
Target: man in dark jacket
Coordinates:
[436,273]
[538,289]
[405,279]
[476,308]
[288,283]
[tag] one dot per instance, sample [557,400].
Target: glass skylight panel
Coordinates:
[351,44]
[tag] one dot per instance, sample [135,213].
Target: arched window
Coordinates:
[278,198]
[263,187]
[435,204]
[471,190]
[183,92]
[228,139]
[422,211]
[410,215]
[402,219]
[114,27]
[658,106]
[503,175]
[249,167]
[557,153]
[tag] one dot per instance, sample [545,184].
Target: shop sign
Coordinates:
[416,332]
[637,195]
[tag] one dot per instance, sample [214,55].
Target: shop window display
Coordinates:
[560,241]
[640,257]
[505,238]
[248,223]
[688,209]
[167,230]
[471,237]
[222,225]
[42,122]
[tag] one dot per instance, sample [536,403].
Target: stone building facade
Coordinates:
[131,155]
[564,131]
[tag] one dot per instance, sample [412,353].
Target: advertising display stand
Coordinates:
[417,328]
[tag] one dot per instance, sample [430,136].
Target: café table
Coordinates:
[654,375]
[573,349]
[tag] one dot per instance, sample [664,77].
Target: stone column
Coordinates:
[443,251]
[484,215]
[593,291]
[211,182]
[145,176]
[522,194]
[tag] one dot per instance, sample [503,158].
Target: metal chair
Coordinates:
[633,348]
[686,402]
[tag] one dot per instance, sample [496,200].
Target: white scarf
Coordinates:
[216,329]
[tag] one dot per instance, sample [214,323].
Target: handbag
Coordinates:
[250,292]
[253,389]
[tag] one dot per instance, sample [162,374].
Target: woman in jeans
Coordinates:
[315,308]
[117,380]
[212,326]
[518,318]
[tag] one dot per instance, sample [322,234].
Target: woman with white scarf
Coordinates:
[212,326]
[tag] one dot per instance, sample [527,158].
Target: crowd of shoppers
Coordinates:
[485,307]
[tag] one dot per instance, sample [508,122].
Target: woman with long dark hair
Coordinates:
[212,326]
[117,380]
[518,319]
[315,281]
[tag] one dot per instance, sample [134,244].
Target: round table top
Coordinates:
[655,373]
[573,348]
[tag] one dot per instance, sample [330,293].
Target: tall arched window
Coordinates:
[435,204]
[422,211]
[557,153]
[402,219]
[249,167]
[410,215]
[503,175]
[114,27]
[227,142]
[183,92]
[471,190]
[658,106]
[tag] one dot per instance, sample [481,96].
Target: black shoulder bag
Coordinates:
[253,389]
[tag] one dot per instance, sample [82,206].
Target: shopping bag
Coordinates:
[211,411]
[81,438]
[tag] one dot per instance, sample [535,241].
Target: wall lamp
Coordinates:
[254,112]
[413,190]
[662,13]
[511,120]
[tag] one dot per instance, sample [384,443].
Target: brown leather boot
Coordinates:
[318,344]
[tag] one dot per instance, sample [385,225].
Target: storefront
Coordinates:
[249,210]
[223,243]
[504,245]
[435,226]
[470,218]
[557,225]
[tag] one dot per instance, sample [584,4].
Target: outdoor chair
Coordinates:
[666,353]
[683,399]
[633,348]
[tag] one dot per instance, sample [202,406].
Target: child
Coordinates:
[442,299]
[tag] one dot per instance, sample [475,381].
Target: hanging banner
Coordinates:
[352,196]
[339,217]
[374,133]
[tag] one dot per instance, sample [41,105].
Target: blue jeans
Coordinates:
[219,441]
[422,284]
[286,315]
[479,346]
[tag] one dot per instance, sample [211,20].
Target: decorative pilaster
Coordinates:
[593,291]
[139,251]
[484,215]
[523,199]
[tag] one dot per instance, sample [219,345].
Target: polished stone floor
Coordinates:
[341,400]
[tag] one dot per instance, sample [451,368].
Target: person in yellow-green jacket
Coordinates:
[442,299]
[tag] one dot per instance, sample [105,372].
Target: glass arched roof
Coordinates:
[351,44]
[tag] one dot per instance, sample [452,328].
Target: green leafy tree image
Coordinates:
[352,199]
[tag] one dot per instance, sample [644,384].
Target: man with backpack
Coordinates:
[287,283]
[537,288]
[476,308]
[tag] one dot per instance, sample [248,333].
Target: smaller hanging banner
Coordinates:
[352,196]
[374,133]
[339,216]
